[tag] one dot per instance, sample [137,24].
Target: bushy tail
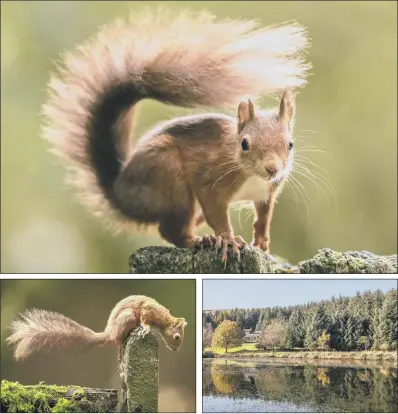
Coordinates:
[40,330]
[188,60]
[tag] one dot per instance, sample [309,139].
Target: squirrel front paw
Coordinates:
[227,239]
[142,331]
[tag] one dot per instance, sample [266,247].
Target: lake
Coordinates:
[247,385]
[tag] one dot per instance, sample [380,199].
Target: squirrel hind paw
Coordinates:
[205,242]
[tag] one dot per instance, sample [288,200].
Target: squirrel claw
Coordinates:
[205,241]
[142,331]
[209,240]
[236,242]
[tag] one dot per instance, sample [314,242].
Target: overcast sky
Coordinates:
[227,294]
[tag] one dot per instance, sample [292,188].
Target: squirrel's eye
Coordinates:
[245,144]
[177,337]
[290,145]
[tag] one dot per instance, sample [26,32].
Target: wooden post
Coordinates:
[163,259]
[139,371]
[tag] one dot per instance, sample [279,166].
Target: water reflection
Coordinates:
[319,387]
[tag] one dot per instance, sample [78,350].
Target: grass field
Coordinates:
[251,347]
[246,347]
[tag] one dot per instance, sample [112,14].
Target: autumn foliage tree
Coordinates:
[273,334]
[227,334]
[323,341]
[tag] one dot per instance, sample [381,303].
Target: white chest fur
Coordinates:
[254,189]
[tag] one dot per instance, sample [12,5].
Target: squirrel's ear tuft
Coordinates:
[286,108]
[181,322]
[246,113]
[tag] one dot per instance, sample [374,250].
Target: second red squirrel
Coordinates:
[41,330]
[190,169]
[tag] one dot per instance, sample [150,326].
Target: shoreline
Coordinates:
[390,356]
[320,363]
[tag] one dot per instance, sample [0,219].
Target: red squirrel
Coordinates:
[41,330]
[189,169]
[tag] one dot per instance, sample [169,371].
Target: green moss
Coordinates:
[330,261]
[41,402]
[40,398]
[66,406]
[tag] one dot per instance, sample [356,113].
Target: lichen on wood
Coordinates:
[43,398]
[252,260]
[174,260]
[139,372]
[330,261]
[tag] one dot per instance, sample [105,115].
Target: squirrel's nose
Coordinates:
[272,170]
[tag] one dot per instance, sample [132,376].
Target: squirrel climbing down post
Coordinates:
[41,330]
[187,170]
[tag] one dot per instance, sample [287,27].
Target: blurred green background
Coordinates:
[90,302]
[348,110]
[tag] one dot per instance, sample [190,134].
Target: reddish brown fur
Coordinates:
[43,330]
[190,167]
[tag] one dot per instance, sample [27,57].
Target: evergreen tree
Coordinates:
[317,323]
[375,330]
[288,339]
[259,324]
[267,317]
[240,320]
[388,328]
[351,334]
[206,319]
[233,314]
[336,330]
[255,316]
[295,331]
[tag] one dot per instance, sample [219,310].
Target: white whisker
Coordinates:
[305,196]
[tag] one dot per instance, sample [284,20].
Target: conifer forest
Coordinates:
[367,321]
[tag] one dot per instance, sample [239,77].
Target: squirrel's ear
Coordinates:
[181,322]
[246,114]
[286,108]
